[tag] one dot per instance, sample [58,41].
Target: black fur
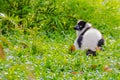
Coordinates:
[82,24]
[90,52]
[79,41]
[85,31]
[100,42]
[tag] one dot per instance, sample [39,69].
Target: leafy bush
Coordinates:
[52,15]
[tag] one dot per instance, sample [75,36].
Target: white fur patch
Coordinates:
[90,39]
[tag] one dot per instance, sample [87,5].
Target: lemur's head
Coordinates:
[82,25]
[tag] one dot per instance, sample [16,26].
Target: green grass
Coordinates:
[36,37]
[40,56]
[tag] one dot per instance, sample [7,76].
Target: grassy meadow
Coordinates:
[36,35]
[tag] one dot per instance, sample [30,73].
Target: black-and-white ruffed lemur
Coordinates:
[88,38]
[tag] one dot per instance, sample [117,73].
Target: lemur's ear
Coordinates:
[81,23]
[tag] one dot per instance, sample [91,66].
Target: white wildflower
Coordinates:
[2,15]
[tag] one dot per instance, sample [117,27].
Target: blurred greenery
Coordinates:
[36,36]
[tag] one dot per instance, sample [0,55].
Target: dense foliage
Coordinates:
[36,36]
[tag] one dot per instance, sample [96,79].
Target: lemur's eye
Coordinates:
[80,26]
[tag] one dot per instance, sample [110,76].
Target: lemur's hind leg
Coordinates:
[101,42]
[90,52]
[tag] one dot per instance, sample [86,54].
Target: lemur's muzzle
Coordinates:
[77,27]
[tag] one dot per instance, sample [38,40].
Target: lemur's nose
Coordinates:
[76,27]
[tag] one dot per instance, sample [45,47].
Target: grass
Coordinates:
[39,56]
[36,37]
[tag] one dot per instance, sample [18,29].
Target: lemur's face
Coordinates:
[80,25]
